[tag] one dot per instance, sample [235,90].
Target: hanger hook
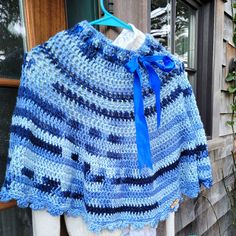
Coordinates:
[103,8]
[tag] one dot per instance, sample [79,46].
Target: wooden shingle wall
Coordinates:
[196,216]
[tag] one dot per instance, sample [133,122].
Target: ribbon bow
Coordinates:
[166,64]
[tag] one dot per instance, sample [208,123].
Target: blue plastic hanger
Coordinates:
[109,19]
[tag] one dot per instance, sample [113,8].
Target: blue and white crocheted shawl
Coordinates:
[106,133]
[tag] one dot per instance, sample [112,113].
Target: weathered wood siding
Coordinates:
[196,216]
[130,11]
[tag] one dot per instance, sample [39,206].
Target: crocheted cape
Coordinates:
[73,137]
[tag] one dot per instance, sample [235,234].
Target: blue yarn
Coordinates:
[73,147]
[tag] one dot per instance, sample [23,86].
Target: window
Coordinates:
[13,220]
[23,25]
[160,21]
[185,38]
[12,40]
[178,25]
[175,28]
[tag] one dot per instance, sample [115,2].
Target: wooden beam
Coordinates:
[218,55]
[6,205]
[43,19]
[5,82]
[130,11]
[135,12]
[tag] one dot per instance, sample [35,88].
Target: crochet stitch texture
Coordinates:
[72,146]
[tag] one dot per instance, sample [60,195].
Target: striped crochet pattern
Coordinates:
[72,146]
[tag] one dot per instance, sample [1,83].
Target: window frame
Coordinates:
[193,72]
[205,64]
[32,14]
[203,56]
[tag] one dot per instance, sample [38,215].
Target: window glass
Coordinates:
[12,36]
[160,21]
[179,18]
[185,27]
[81,10]
[185,39]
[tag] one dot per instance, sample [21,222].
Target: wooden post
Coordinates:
[130,11]
[43,20]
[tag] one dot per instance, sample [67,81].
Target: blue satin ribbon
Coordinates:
[166,64]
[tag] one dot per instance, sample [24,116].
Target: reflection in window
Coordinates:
[175,27]
[160,21]
[185,33]
[12,35]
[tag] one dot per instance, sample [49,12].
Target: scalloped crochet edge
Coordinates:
[37,203]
